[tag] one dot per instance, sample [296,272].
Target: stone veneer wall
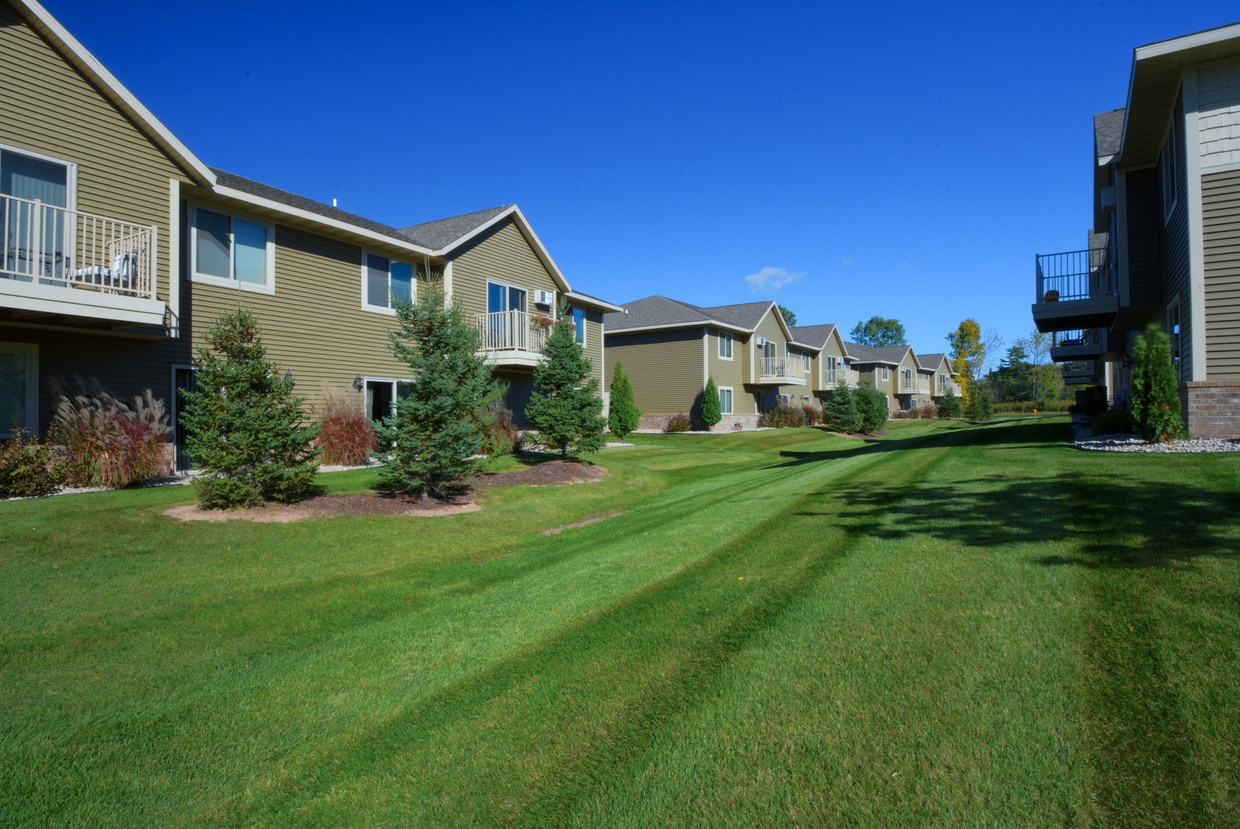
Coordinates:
[728,424]
[1211,409]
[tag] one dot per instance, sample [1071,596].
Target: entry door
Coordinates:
[34,239]
[183,379]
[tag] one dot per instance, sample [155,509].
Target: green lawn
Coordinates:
[954,625]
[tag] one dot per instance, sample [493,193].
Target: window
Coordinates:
[228,248]
[19,387]
[1173,328]
[381,396]
[886,373]
[725,345]
[579,325]
[386,281]
[907,378]
[725,400]
[785,400]
[806,360]
[35,241]
[1169,163]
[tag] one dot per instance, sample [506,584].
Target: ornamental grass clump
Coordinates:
[1155,397]
[107,443]
[244,423]
[346,435]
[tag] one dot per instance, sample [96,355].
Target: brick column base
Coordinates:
[1211,408]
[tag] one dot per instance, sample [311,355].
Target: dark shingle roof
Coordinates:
[275,194]
[815,335]
[1108,132]
[443,232]
[746,315]
[660,311]
[892,354]
[930,361]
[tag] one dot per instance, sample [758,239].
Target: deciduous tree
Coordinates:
[878,331]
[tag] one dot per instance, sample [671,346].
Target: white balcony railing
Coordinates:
[944,384]
[914,385]
[790,368]
[512,331]
[832,376]
[69,248]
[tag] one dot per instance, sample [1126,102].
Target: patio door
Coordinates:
[505,330]
[33,236]
[184,378]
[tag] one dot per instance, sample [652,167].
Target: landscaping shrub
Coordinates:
[244,423]
[1113,422]
[840,413]
[980,406]
[905,414]
[712,411]
[782,417]
[499,436]
[346,435]
[872,407]
[949,406]
[107,443]
[811,413]
[566,408]
[929,411]
[678,423]
[28,468]
[623,416]
[1155,398]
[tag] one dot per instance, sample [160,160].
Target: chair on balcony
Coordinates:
[120,276]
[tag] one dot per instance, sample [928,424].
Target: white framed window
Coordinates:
[36,229]
[807,362]
[229,250]
[725,345]
[19,388]
[725,399]
[785,400]
[1168,164]
[886,373]
[907,378]
[381,396]
[384,281]
[579,326]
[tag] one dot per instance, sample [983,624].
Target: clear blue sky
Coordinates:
[904,159]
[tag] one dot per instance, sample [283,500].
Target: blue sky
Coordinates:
[905,160]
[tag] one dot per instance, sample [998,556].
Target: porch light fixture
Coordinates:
[288,375]
[357,383]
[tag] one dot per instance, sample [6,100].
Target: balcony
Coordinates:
[913,385]
[832,377]
[944,385]
[1078,372]
[1077,344]
[512,338]
[60,262]
[1078,289]
[780,371]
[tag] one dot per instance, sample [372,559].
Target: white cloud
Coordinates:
[771,279]
[846,261]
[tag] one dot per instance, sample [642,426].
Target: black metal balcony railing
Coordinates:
[1077,274]
[1066,339]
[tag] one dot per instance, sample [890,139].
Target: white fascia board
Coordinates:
[596,303]
[523,225]
[288,210]
[723,326]
[806,346]
[1181,44]
[97,72]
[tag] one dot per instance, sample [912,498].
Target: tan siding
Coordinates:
[1174,264]
[665,368]
[121,173]
[593,349]
[731,372]
[504,255]
[1220,196]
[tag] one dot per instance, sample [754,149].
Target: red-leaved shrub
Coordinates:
[346,435]
[107,443]
[678,423]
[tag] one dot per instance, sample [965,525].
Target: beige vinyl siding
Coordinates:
[1220,209]
[314,325]
[732,372]
[504,255]
[593,349]
[665,368]
[51,109]
[770,329]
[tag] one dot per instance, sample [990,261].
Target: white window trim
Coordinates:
[31,352]
[509,286]
[366,380]
[70,175]
[413,285]
[726,336]
[234,284]
[581,334]
[731,400]
[886,373]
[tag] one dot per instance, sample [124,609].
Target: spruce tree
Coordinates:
[244,424]
[872,407]
[623,416]
[712,412]
[979,408]
[840,414]
[1155,397]
[949,405]
[566,409]
[438,428]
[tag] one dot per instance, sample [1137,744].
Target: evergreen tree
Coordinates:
[623,416]
[979,408]
[872,408]
[566,409]
[712,412]
[1155,398]
[840,414]
[244,424]
[949,405]
[438,428]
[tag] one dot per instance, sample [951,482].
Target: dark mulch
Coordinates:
[547,473]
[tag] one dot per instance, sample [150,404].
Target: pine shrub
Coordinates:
[346,435]
[840,413]
[566,408]
[437,429]
[949,406]
[979,409]
[872,408]
[28,468]
[623,416]
[1155,397]
[244,423]
[712,412]
[107,443]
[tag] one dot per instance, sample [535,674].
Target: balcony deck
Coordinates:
[512,339]
[1076,289]
[779,371]
[1077,344]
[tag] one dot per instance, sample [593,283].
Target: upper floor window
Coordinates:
[387,281]
[228,248]
[579,325]
[908,378]
[886,373]
[1169,163]
[806,360]
[725,345]
[36,231]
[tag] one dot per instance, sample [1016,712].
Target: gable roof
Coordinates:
[886,355]
[124,100]
[931,362]
[1108,134]
[444,232]
[813,336]
[659,312]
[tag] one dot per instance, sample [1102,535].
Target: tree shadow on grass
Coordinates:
[1115,521]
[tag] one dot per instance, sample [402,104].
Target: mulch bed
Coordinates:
[547,473]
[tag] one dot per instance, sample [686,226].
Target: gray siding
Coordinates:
[1144,220]
[1174,263]
[1220,197]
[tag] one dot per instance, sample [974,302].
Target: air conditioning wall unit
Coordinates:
[544,298]
[761,342]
